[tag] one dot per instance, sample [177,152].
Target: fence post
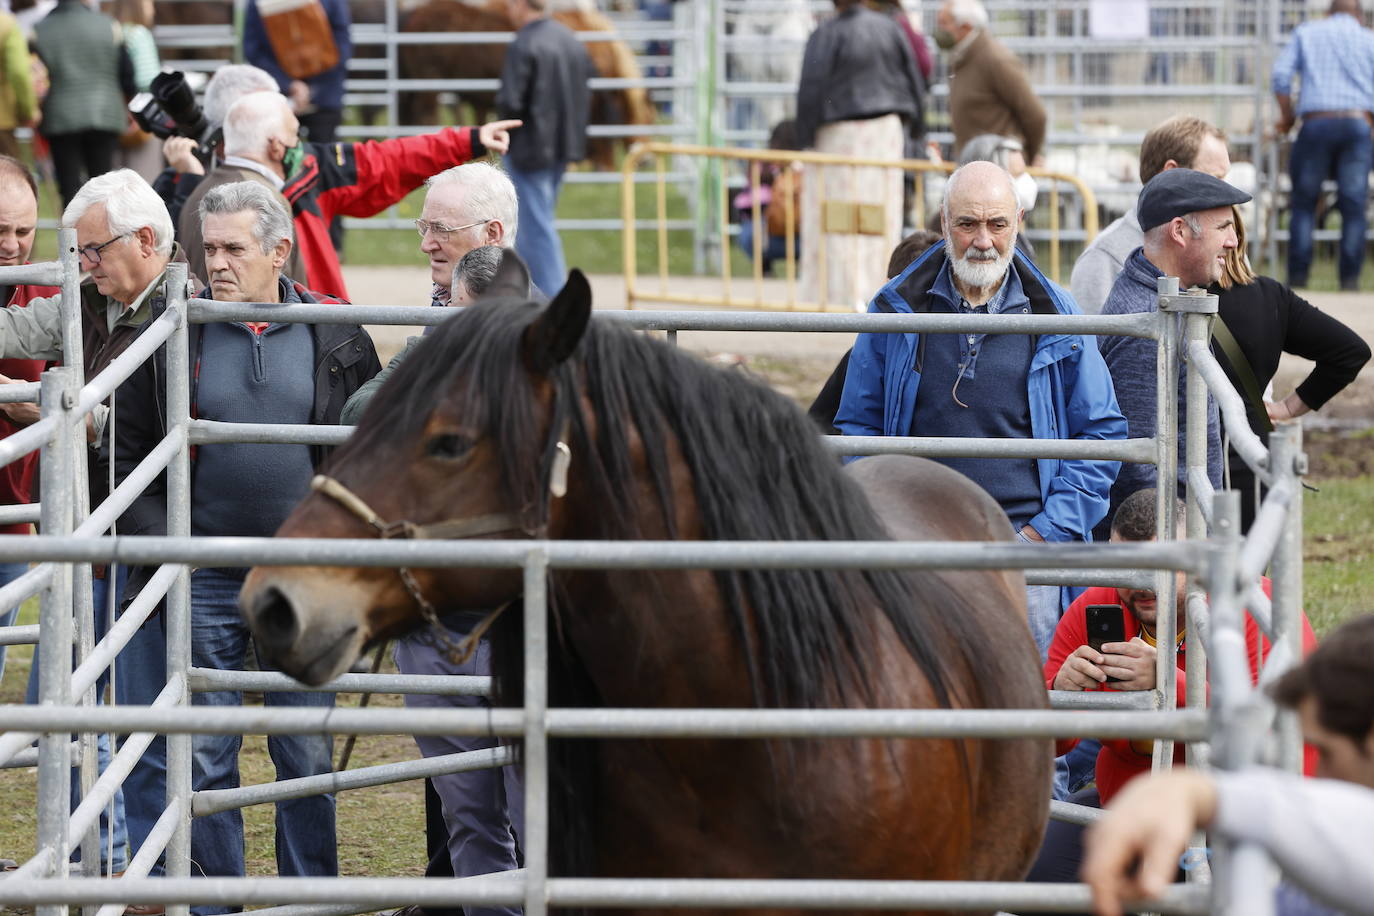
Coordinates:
[1287,460]
[58,397]
[1242,886]
[1197,328]
[536,750]
[178,611]
[1166,473]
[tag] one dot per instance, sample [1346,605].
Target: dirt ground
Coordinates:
[1338,439]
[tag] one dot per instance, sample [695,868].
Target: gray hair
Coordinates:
[487,194]
[231,83]
[961,173]
[990,148]
[969,12]
[252,121]
[476,269]
[130,205]
[1156,234]
[272,222]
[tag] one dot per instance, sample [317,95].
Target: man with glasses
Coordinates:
[125,241]
[466,207]
[965,385]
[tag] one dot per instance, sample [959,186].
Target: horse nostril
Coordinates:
[275,624]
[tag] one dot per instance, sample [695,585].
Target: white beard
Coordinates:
[980,274]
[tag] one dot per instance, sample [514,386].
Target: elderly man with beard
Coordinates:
[962,385]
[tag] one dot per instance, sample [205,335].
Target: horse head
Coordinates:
[467,438]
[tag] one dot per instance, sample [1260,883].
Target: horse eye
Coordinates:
[448,446]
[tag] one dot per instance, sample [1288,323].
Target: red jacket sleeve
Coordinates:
[388,170]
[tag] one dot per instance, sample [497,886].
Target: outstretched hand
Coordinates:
[1133,851]
[496,135]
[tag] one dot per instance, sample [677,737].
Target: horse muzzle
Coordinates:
[287,617]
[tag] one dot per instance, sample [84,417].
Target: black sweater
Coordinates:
[1268,319]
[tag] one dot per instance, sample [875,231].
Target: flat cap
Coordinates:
[1177,192]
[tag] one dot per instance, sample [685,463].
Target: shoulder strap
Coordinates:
[1224,339]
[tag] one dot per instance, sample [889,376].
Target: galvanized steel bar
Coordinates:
[206,310]
[1108,699]
[43,273]
[122,366]
[178,604]
[204,680]
[1197,329]
[1070,813]
[203,431]
[1248,445]
[1112,578]
[208,802]
[535,749]
[20,514]
[15,593]
[232,551]
[104,653]
[55,619]
[1176,724]
[27,440]
[39,866]
[20,392]
[1142,451]
[101,793]
[147,856]
[1288,464]
[18,635]
[1266,531]
[1166,466]
[629,893]
[132,486]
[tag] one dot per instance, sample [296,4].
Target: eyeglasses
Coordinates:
[92,252]
[440,232]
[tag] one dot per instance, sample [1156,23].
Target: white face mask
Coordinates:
[1026,191]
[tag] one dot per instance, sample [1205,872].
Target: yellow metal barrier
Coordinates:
[787,159]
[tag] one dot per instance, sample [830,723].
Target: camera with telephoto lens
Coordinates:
[169,109]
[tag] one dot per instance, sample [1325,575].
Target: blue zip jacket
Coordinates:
[1070,392]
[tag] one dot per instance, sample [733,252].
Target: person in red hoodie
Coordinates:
[18,224]
[1074,665]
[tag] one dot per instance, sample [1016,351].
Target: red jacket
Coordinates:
[1119,762]
[16,478]
[363,179]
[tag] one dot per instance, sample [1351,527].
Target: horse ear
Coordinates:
[512,278]
[555,333]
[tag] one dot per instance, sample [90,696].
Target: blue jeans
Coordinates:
[774,246]
[8,573]
[112,818]
[1327,146]
[536,240]
[483,809]
[141,674]
[306,841]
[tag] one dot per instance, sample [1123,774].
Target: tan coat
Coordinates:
[194,243]
[990,94]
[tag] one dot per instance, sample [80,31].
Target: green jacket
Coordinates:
[82,50]
[357,402]
[17,101]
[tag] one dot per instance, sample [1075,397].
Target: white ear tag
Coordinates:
[558,473]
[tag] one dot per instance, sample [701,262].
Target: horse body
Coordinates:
[641,467]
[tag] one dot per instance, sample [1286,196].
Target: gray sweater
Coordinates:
[1098,266]
[1131,361]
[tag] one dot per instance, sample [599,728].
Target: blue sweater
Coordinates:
[1131,361]
[248,489]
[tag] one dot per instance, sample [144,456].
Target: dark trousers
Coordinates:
[79,157]
[1329,147]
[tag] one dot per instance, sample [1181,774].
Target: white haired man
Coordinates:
[124,241]
[960,385]
[247,371]
[260,132]
[988,89]
[325,180]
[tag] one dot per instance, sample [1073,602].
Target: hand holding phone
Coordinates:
[1106,624]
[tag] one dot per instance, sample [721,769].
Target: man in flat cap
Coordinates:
[1189,226]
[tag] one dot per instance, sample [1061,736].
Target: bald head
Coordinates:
[979,184]
[1346,6]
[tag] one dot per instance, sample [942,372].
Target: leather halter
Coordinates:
[456,651]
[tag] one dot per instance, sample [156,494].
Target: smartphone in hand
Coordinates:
[1106,624]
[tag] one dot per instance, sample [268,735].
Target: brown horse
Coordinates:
[664,446]
[483,61]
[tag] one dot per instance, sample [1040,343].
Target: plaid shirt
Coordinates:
[1334,59]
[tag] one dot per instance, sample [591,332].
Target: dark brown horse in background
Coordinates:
[483,61]
[665,447]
